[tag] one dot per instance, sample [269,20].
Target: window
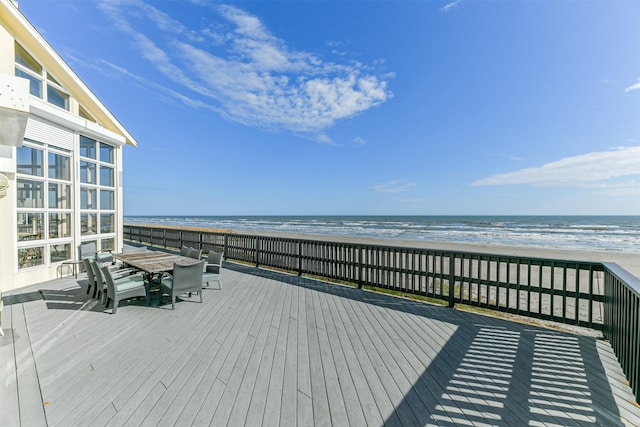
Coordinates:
[44,204]
[30,193]
[59,166]
[59,225]
[106,200]
[87,172]
[106,153]
[30,257]
[28,68]
[107,223]
[26,60]
[97,195]
[35,85]
[30,226]
[85,115]
[60,252]
[106,176]
[88,198]
[59,196]
[87,147]
[108,244]
[57,97]
[29,160]
[88,224]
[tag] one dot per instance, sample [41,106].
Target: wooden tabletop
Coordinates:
[154,261]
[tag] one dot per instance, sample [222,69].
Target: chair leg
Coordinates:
[107,303]
[115,306]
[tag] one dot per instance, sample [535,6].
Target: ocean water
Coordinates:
[600,233]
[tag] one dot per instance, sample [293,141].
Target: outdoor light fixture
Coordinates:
[14,109]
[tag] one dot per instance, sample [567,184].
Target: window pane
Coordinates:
[108,244]
[106,176]
[59,225]
[87,147]
[30,226]
[85,115]
[24,58]
[107,223]
[88,224]
[35,84]
[61,252]
[59,196]
[106,153]
[30,257]
[88,198]
[29,160]
[59,167]
[57,97]
[106,200]
[30,194]
[87,172]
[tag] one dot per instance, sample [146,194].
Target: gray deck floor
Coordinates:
[273,349]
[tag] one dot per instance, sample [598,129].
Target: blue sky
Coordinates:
[364,107]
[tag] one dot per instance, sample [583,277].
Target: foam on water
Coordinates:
[603,233]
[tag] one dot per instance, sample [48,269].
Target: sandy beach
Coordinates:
[630,262]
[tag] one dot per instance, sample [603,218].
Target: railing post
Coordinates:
[225,245]
[300,258]
[360,252]
[257,251]
[452,280]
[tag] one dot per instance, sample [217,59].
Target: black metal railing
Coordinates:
[600,296]
[622,321]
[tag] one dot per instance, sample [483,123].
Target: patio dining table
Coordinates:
[154,262]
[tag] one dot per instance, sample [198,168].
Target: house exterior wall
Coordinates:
[61,191]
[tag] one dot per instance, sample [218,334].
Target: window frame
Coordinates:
[42,245]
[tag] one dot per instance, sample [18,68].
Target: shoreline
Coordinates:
[628,261]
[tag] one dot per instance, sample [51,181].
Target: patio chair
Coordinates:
[128,249]
[116,274]
[184,250]
[185,279]
[89,250]
[125,288]
[195,253]
[213,268]
[90,276]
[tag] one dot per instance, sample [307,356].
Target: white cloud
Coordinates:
[598,170]
[395,186]
[246,73]
[358,140]
[635,86]
[450,6]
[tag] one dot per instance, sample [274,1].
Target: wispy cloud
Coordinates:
[635,86]
[394,186]
[358,140]
[235,65]
[450,6]
[601,170]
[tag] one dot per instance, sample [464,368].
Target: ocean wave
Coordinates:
[619,234]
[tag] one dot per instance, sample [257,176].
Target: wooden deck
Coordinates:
[274,349]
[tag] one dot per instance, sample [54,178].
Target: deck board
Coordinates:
[273,349]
